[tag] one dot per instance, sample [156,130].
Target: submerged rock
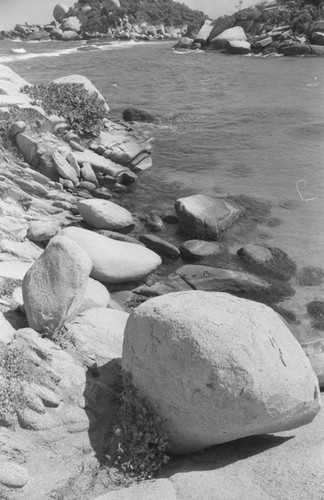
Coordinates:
[235,282]
[270,260]
[55,286]
[190,354]
[205,217]
[137,115]
[114,261]
[198,249]
[310,276]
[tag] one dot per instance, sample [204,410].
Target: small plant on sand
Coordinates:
[137,445]
[83,111]
[14,370]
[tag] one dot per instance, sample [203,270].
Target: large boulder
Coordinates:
[114,261]
[218,368]
[88,85]
[60,11]
[238,47]
[204,32]
[55,286]
[230,35]
[71,24]
[103,214]
[204,217]
[221,24]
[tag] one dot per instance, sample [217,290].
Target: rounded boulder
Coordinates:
[103,214]
[114,261]
[218,368]
[55,285]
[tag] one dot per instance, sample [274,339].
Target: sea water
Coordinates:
[244,126]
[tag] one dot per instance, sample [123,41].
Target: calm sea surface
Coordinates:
[244,126]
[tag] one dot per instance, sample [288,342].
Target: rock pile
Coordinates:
[69,276]
[266,29]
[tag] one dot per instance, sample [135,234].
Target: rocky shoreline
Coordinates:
[270,28]
[83,289]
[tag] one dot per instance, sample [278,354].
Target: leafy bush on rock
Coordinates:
[136,447]
[83,111]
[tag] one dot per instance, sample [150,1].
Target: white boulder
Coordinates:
[55,286]
[71,24]
[103,214]
[218,368]
[96,295]
[7,331]
[114,261]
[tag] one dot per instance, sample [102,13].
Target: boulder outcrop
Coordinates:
[218,368]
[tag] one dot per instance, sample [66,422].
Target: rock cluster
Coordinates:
[274,28]
[69,276]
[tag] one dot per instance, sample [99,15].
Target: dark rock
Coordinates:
[198,249]
[317,50]
[316,309]
[270,260]
[154,223]
[310,276]
[238,283]
[172,283]
[221,24]
[297,49]
[170,217]
[160,246]
[138,115]
[102,193]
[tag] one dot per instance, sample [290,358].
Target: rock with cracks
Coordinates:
[218,368]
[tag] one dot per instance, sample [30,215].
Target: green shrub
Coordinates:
[14,370]
[83,111]
[137,445]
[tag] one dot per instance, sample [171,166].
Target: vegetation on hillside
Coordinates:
[82,111]
[104,15]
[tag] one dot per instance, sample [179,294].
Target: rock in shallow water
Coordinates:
[205,217]
[235,282]
[114,261]
[218,368]
[198,249]
[269,260]
[55,286]
[103,214]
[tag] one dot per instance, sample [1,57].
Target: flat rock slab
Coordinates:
[205,217]
[160,246]
[114,261]
[237,283]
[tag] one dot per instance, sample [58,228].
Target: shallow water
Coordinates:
[251,126]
